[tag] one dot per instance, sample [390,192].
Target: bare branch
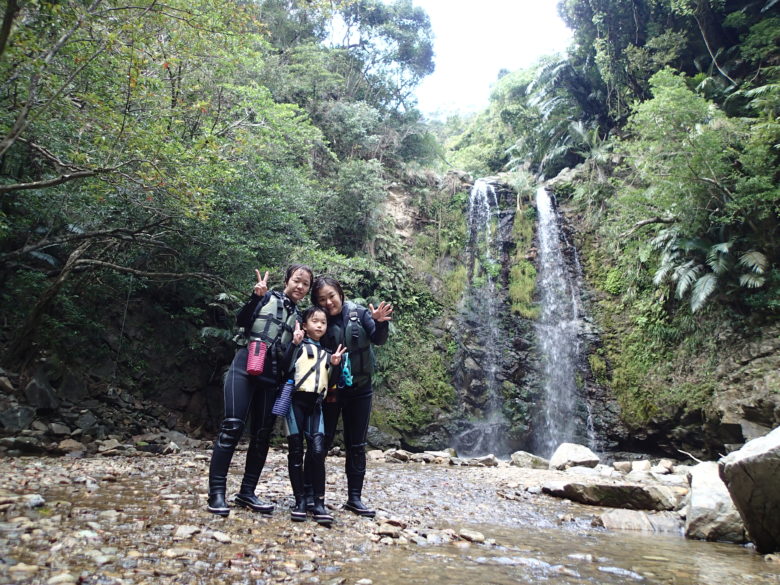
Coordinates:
[645,222]
[162,275]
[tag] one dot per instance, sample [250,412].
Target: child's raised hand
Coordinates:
[262,284]
[383,312]
[335,357]
[297,334]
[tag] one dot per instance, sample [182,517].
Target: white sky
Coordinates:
[475,39]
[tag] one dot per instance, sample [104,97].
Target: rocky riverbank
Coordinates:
[135,518]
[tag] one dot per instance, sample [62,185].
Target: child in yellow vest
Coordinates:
[312,368]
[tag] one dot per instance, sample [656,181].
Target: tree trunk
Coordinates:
[21,344]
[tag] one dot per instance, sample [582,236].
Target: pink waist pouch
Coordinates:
[255,359]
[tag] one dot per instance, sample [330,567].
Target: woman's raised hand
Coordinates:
[262,284]
[297,334]
[335,357]
[383,312]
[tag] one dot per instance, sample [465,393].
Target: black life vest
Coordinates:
[357,341]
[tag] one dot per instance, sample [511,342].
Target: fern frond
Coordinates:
[702,290]
[754,261]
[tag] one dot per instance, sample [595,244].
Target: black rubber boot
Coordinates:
[252,502]
[224,446]
[298,511]
[320,512]
[354,493]
[295,470]
[217,504]
[255,461]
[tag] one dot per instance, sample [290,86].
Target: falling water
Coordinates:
[487,434]
[557,329]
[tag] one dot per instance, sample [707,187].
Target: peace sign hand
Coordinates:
[335,358]
[262,284]
[384,312]
[297,334]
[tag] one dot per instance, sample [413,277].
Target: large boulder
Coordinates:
[752,475]
[711,515]
[571,455]
[618,495]
[39,392]
[525,459]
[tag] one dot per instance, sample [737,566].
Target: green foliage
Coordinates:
[413,375]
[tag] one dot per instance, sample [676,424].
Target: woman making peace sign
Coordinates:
[267,321]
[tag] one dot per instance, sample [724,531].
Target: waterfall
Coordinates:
[487,433]
[561,418]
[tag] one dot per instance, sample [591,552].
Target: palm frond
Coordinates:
[754,261]
[702,290]
[686,275]
[48,258]
[751,280]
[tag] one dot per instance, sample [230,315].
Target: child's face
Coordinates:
[316,325]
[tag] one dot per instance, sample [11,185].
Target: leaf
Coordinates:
[48,258]
[751,280]
[686,275]
[702,290]
[754,260]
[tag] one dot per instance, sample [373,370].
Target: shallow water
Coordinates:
[564,556]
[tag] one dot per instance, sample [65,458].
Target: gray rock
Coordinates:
[618,495]
[86,421]
[638,520]
[752,475]
[711,515]
[16,418]
[39,392]
[59,429]
[528,460]
[570,454]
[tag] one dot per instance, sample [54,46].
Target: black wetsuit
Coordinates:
[353,402]
[305,421]
[248,396]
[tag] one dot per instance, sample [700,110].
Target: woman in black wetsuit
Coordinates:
[269,316]
[357,328]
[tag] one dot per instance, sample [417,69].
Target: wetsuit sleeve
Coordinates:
[291,353]
[244,317]
[377,332]
[334,372]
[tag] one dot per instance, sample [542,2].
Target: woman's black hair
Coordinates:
[293,268]
[322,281]
[311,310]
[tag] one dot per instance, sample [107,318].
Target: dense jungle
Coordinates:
[154,155]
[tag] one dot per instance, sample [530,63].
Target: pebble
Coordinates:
[61,579]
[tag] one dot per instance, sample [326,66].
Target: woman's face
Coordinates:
[328,298]
[298,285]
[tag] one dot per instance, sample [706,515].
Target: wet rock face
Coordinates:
[752,475]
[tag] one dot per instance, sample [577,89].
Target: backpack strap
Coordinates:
[358,353]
